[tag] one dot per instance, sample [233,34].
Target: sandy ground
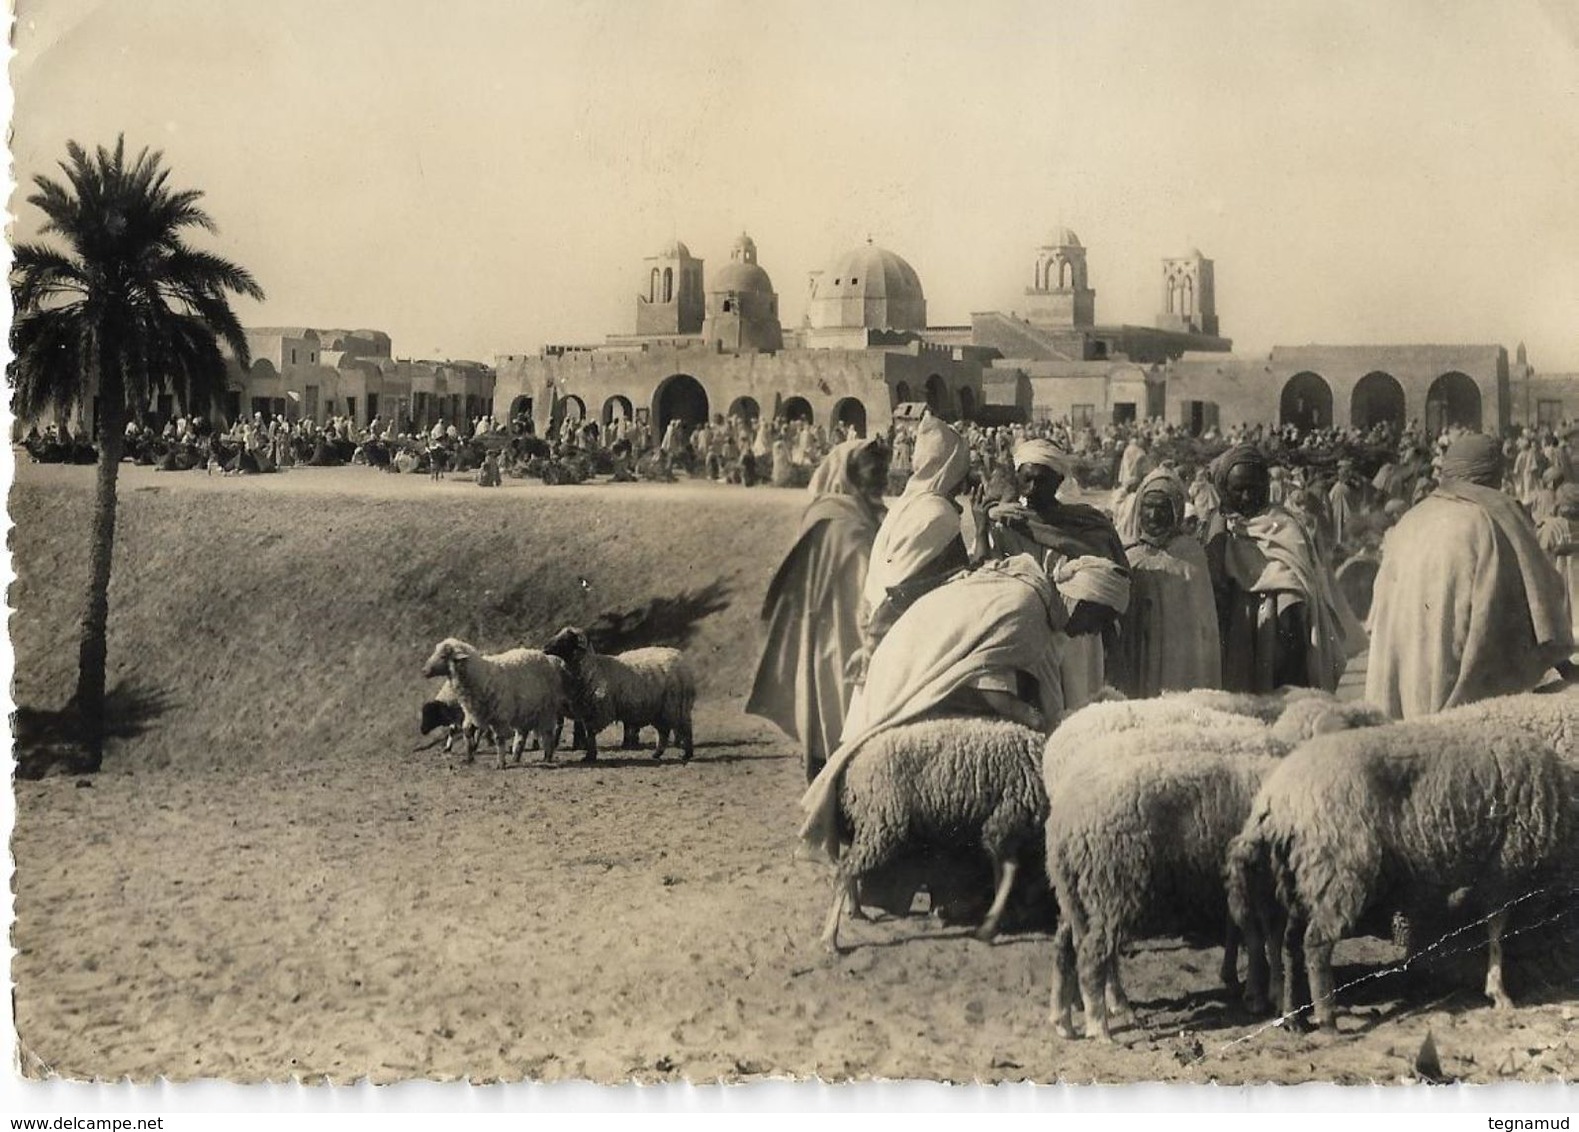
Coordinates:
[315,897]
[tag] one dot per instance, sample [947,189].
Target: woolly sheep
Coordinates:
[1203,708]
[1443,812]
[1138,827]
[1554,716]
[944,782]
[521,691]
[643,687]
[1140,822]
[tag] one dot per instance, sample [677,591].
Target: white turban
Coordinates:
[1089,578]
[1046,453]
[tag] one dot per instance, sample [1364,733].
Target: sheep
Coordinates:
[1554,716]
[946,782]
[1139,825]
[522,690]
[643,687]
[1202,708]
[1442,812]
[444,710]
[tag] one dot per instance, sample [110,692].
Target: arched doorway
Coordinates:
[1452,401]
[573,408]
[617,408]
[967,404]
[680,397]
[520,407]
[1306,402]
[901,393]
[937,395]
[745,409]
[1377,399]
[796,409]
[849,411]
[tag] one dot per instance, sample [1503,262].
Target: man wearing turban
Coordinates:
[1168,638]
[1281,618]
[1052,531]
[1467,606]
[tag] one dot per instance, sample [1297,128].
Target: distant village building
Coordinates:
[302,373]
[705,347]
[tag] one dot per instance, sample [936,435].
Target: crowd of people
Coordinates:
[986,589]
[781,452]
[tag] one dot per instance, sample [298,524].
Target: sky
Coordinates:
[482,177]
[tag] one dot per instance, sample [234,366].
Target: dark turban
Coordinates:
[1238,454]
[1473,457]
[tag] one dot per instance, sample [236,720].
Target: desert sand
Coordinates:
[276,877]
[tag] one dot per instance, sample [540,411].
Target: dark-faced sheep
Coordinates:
[650,687]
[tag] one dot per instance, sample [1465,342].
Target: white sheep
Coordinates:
[949,783]
[1554,716]
[1202,708]
[1139,825]
[520,691]
[1444,812]
[650,687]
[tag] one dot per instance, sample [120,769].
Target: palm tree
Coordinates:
[127,312]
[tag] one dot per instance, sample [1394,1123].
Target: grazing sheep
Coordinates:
[1139,826]
[644,687]
[1442,812]
[950,782]
[520,691]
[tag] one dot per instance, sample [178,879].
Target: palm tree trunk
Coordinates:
[92,660]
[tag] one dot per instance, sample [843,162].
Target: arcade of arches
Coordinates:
[1453,400]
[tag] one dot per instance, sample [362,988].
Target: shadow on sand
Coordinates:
[54,740]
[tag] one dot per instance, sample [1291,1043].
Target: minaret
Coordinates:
[669,296]
[1060,294]
[1189,299]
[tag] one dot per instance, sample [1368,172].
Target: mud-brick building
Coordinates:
[1322,386]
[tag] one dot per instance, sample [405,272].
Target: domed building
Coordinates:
[867,288]
[742,308]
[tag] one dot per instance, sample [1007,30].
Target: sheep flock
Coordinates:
[1273,825]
